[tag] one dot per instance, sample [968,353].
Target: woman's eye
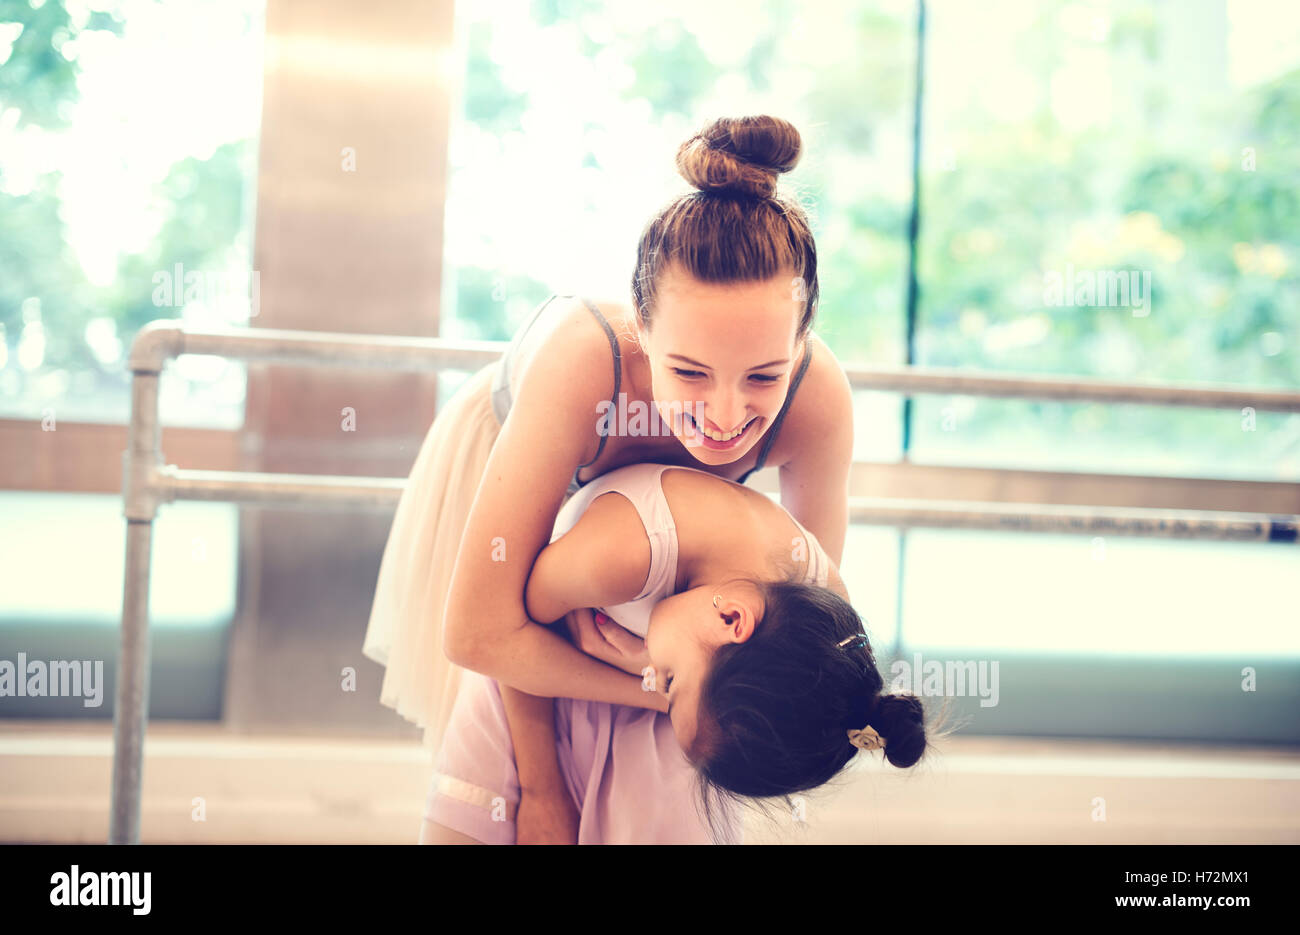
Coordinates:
[692,374]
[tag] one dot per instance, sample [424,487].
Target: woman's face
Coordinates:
[684,633]
[721,358]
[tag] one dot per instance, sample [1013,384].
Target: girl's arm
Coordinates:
[603,559]
[550,429]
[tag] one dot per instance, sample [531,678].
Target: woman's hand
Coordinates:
[603,639]
[546,818]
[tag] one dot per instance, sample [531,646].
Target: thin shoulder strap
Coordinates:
[618,377]
[501,401]
[780,416]
[537,314]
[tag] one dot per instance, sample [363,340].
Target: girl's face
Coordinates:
[721,358]
[685,631]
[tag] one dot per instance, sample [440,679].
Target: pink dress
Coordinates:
[622,765]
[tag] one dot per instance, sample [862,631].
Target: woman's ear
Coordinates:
[639,333]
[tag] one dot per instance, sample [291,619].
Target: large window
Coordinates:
[1107,189]
[1112,189]
[128,150]
[127,166]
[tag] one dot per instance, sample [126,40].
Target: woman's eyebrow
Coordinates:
[770,363]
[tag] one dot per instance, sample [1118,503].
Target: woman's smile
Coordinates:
[714,441]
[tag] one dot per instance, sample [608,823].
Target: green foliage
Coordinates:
[480,302]
[203,225]
[672,71]
[550,12]
[38,79]
[36,263]
[488,102]
[1220,241]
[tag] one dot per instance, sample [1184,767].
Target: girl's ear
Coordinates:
[739,618]
[744,626]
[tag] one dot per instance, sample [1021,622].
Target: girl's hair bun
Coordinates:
[741,155]
[900,719]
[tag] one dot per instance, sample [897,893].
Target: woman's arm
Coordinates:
[550,429]
[818,431]
[836,583]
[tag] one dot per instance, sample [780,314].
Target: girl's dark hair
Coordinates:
[775,710]
[735,227]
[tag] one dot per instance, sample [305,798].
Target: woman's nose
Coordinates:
[726,413]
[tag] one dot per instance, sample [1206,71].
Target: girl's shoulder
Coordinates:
[697,496]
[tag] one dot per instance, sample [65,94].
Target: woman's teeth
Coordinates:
[718,436]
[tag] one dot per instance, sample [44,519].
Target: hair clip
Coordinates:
[855,639]
[866,739]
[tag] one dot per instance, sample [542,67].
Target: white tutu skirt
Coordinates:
[406,619]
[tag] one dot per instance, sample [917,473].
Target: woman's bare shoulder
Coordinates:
[822,410]
[835,582]
[825,380]
[568,353]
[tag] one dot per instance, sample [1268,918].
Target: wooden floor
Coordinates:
[277,789]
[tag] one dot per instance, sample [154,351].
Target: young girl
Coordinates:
[723,296]
[771,684]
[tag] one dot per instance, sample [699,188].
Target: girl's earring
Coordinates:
[715,602]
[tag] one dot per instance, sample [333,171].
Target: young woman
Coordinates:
[717,339]
[771,683]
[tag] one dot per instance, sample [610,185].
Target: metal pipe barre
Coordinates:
[162,339]
[147,482]
[1075,520]
[1069,389]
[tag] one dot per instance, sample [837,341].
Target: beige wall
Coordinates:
[351,185]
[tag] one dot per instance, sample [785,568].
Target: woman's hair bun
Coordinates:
[740,154]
